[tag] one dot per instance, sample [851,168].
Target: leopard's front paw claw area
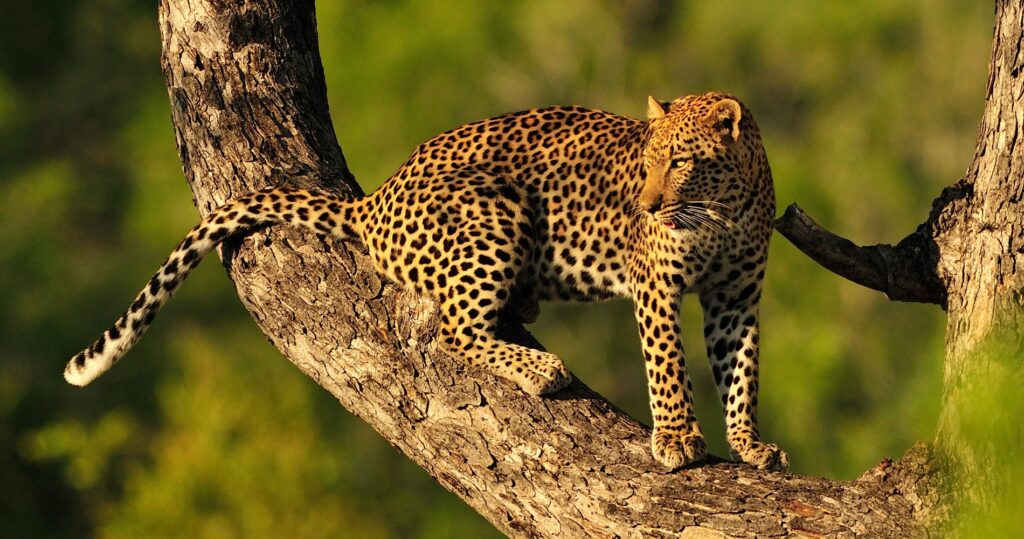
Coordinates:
[765,457]
[675,450]
[546,375]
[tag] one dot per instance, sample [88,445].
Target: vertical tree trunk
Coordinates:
[979,231]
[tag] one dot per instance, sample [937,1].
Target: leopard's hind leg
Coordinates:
[473,237]
[537,372]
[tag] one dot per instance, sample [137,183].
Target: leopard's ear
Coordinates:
[655,108]
[724,119]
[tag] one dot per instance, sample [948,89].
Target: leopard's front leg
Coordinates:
[677,439]
[731,335]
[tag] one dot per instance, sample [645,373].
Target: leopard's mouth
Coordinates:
[671,223]
[694,215]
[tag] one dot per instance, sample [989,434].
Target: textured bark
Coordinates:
[249,109]
[978,226]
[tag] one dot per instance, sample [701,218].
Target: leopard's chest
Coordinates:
[693,261]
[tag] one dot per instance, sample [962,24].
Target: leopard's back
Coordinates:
[579,171]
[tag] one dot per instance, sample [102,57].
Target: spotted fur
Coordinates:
[553,204]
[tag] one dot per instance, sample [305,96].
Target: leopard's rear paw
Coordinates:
[675,450]
[764,457]
[542,374]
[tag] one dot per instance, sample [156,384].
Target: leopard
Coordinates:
[553,204]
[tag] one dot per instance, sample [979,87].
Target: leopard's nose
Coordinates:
[651,206]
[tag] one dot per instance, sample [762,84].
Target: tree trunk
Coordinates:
[978,226]
[249,108]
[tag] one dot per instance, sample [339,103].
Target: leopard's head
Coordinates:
[699,160]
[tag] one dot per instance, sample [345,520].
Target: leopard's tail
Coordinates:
[320,212]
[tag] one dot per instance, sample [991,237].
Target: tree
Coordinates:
[249,109]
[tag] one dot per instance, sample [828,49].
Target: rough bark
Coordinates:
[249,110]
[978,226]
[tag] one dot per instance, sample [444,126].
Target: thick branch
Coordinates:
[905,272]
[247,98]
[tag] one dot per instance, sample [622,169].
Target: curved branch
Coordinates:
[249,109]
[904,272]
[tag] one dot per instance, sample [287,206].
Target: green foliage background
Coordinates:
[868,110]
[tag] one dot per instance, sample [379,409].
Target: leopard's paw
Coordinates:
[542,374]
[675,450]
[764,457]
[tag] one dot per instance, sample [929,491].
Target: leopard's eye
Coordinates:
[680,160]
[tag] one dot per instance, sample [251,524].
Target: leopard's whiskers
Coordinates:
[714,211]
[705,220]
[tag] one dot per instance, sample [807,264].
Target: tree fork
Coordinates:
[249,107]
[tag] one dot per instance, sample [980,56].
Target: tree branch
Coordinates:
[905,272]
[249,109]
